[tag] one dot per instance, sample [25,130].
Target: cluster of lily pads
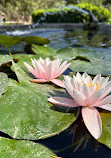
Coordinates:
[25,103]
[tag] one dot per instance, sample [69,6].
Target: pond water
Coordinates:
[69,143]
[64,38]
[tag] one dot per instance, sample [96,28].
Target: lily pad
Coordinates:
[20,149]
[5,58]
[106,131]
[3,83]
[35,40]
[100,62]
[25,111]
[46,50]
[8,41]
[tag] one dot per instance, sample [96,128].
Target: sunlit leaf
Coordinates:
[3,83]
[100,61]
[8,41]
[106,128]
[25,111]
[46,50]
[21,149]
[5,58]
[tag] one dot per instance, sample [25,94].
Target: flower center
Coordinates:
[89,85]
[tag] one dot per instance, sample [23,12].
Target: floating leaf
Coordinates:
[46,50]
[21,149]
[35,40]
[3,83]
[8,41]
[100,61]
[106,128]
[25,111]
[5,59]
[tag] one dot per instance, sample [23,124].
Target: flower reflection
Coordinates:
[81,136]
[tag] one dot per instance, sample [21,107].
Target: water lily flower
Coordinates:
[88,94]
[47,70]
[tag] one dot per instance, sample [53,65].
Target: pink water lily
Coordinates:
[47,70]
[89,94]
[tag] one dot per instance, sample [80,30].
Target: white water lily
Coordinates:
[47,70]
[89,94]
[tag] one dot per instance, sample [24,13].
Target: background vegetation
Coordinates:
[20,11]
[76,15]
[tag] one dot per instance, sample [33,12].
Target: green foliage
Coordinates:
[24,109]
[101,13]
[95,64]
[22,149]
[43,50]
[21,10]
[62,15]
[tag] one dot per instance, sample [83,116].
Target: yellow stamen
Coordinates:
[97,86]
[89,85]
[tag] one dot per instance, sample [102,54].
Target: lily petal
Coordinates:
[93,98]
[40,70]
[106,100]
[62,68]
[85,90]
[49,71]
[78,76]
[104,81]
[79,97]
[107,90]
[63,101]
[69,88]
[31,70]
[38,80]
[92,121]
[97,79]
[106,107]
[58,82]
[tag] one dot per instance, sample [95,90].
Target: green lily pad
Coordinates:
[106,128]
[35,40]
[25,111]
[100,61]
[21,149]
[46,50]
[5,58]
[8,41]
[3,83]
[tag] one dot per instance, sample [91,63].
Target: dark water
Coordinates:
[76,141]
